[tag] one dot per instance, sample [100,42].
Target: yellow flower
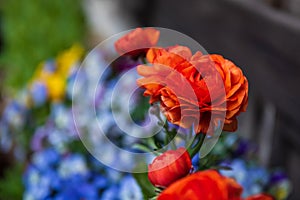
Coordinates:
[56,85]
[56,80]
[68,58]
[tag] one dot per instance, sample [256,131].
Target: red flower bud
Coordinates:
[169,167]
[137,42]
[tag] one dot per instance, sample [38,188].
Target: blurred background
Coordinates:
[260,36]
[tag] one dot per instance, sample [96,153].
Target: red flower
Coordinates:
[208,185]
[260,197]
[137,42]
[193,88]
[169,167]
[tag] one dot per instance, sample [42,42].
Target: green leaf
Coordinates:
[227,168]
[147,188]
[11,186]
[141,147]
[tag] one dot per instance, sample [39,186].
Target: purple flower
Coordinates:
[277,177]
[37,140]
[124,63]
[244,148]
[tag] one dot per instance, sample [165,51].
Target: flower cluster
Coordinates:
[50,78]
[172,172]
[47,87]
[197,92]
[60,166]
[192,96]
[52,175]
[256,179]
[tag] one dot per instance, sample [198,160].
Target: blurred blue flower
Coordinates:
[77,187]
[52,175]
[113,175]
[14,114]
[39,185]
[112,193]
[252,177]
[45,159]
[129,189]
[49,66]
[100,182]
[38,93]
[195,161]
[238,170]
[5,138]
[73,164]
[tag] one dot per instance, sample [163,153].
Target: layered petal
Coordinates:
[200,90]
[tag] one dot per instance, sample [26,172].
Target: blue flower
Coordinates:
[5,138]
[45,159]
[129,189]
[72,165]
[39,93]
[113,175]
[39,185]
[195,161]
[112,193]
[77,187]
[252,178]
[14,114]
[49,66]
[100,182]
[238,171]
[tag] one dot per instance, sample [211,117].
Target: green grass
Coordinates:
[35,30]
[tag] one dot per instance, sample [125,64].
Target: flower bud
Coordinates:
[169,167]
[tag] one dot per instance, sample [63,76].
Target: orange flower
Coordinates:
[169,167]
[236,87]
[208,185]
[194,88]
[137,42]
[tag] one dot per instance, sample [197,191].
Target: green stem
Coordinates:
[144,60]
[196,144]
[166,128]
